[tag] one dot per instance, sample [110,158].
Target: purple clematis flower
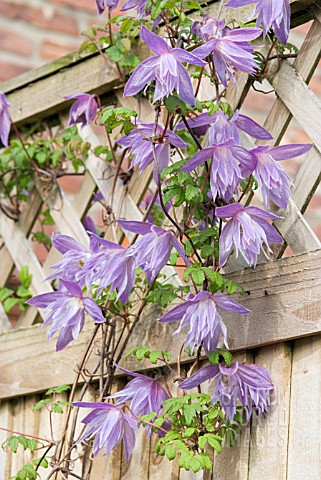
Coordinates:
[247,232]
[109,425]
[140,5]
[250,384]
[166,68]
[109,265]
[145,394]
[74,256]
[152,251]
[140,142]
[89,224]
[5,121]
[102,4]
[66,310]
[222,128]
[228,162]
[274,14]
[272,179]
[231,48]
[83,110]
[201,314]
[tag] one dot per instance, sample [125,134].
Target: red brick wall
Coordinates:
[33,32]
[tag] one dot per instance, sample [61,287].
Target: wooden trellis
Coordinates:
[283,332]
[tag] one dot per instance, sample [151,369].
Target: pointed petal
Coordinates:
[142,228]
[200,157]
[205,373]
[284,152]
[155,43]
[252,128]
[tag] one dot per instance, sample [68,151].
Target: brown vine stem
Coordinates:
[170,218]
[72,393]
[30,436]
[144,421]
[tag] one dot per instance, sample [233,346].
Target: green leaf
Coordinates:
[172,102]
[140,352]
[41,404]
[130,60]
[32,443]
[173,258]
[114,53]
[189,432]
[198,276]
[5,293]
[154,356]
[23,292]
[214,357]
[42,462]
[191,192]
[23,441]
[60,389]
[9,303]
[195,464]
[214,443]
[14,443]
[170,452]
[207,250]
[56,408]
[41,157]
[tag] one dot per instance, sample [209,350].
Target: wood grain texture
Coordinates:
[269,435]
[304,448]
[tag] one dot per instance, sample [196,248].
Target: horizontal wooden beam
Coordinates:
[284,296]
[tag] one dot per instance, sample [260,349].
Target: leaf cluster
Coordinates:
[140,353]
[10,298]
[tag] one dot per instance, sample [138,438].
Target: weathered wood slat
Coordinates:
[22,253]
[269,435]
[305,411]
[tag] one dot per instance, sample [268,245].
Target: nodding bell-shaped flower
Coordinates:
[273,14]
[84,109]
[103,4]
[109,425]
[247,232]
[201,314]
[250,384]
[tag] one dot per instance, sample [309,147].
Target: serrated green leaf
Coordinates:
[170,452]
[214,443]
[23,441]
[198,276]
[32,443]
[195,464]
[191,192]
[14,443]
